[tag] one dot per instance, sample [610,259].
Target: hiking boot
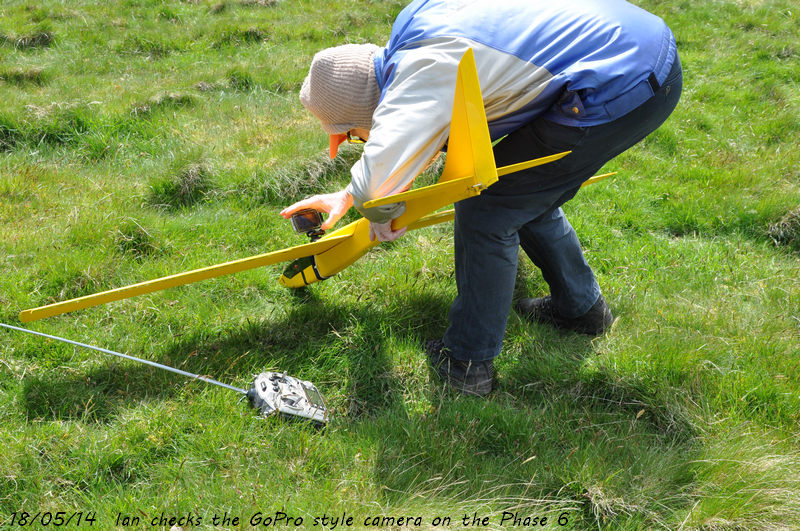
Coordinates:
[542,310]
[468,377]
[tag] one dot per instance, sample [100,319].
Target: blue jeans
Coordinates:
[524,208]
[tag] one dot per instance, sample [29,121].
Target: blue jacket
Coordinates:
[574,62]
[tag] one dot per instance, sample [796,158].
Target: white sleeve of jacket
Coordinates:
[409,126]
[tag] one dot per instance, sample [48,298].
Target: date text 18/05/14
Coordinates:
[56,519]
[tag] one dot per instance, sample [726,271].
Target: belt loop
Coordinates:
[653,82]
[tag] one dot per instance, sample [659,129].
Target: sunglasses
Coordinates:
[354,139]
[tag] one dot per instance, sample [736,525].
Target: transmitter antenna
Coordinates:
[270,393]
[127,357]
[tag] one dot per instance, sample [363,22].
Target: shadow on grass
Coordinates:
[536,458]
[599,450]
[552,436]
[341,345]
[96,395]
[558,434]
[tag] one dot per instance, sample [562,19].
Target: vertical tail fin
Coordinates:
[470,165]
[469,150]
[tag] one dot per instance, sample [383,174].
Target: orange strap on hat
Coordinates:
[336,141]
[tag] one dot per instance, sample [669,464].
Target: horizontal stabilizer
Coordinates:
[592,180]
[450,191]
[505,170]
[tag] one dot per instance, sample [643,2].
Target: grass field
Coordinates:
[140,138]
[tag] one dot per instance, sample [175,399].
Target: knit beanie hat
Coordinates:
[341,89]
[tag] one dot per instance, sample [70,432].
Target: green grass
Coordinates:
[140,138]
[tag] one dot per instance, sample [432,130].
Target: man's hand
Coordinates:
[383,232]
[335,205]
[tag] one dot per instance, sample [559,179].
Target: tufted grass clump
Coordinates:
[171,100]
[151,47]
[40,37]
[190,183]
[240,79]
[786,231]
[291,182]
[259,3]
[24,76]
[133,240]
[10,133]
[241,37]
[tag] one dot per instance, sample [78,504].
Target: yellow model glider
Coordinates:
[469,169]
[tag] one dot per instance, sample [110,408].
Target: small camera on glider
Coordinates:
[308,221]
